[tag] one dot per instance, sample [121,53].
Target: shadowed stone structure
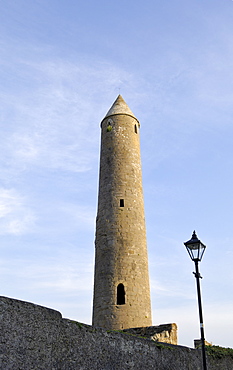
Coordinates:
[166,333]
[121,286]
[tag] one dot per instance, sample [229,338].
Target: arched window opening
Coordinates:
[122,203]
[135,129]
[120,294]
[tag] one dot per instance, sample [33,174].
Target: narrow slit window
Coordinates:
[120,294]
[135,129]
[122,203]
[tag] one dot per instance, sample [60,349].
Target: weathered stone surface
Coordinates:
[35,337]
[121,249]
[166,333]
[198,343]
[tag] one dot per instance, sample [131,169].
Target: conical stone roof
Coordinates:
[120,107]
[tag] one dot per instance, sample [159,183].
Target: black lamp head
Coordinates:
[195,248]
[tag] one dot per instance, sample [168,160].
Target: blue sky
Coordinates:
[63,63]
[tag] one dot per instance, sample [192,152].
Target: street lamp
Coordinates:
[196,250]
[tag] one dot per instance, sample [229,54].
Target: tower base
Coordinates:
[166,333]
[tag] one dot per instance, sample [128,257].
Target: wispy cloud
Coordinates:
[16,217]
[49,118]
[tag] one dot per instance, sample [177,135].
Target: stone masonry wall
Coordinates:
[35,337]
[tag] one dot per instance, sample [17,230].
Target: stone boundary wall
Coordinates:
[35,337]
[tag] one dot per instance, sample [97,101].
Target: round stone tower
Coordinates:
[121,285]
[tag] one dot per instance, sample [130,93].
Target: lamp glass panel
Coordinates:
[194,250]
[202,250]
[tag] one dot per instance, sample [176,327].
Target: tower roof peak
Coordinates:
[120,107]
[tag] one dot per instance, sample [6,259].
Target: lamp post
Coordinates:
[196,250]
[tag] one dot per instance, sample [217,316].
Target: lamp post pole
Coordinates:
[198,277]
[196,250]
